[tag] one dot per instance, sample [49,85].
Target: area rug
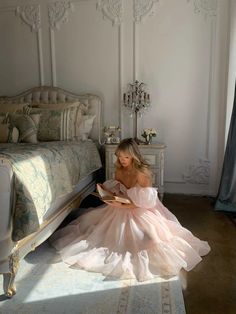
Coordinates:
[46,285]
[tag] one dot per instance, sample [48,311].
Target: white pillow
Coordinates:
[85,127]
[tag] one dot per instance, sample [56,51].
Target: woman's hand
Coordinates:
[120,205]
[114,204]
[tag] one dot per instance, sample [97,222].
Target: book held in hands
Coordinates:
[108,196]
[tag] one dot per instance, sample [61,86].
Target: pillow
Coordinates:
[27,126]
[58,124]
[7,134]
[12,107]
[85,127]
[69,128]
[52,125]
[83,107]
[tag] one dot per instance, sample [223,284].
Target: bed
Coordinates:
[41,182]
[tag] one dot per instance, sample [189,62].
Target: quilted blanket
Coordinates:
[44,172]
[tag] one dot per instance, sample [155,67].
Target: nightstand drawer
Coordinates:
[151,159]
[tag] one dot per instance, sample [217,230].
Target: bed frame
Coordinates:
[12,252]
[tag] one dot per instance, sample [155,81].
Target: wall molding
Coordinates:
[206,7]
[112,10]
[143,9]
[198,173]
[58,13]
[120,100]
[30,15]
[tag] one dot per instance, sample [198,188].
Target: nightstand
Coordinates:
[153,154]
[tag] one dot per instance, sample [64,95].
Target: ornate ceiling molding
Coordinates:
[58,13]
[30,15]
[111,9]
[207,7]
[143,8]
[199,173]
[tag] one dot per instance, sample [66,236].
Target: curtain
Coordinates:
[226,198]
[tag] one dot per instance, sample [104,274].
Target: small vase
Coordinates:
[149,141]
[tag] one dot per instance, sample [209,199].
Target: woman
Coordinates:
[140,240]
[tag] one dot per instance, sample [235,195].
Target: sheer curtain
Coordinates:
[226,198]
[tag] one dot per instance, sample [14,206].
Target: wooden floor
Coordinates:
[210,288]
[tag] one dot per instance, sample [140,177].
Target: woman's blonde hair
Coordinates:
[129,146]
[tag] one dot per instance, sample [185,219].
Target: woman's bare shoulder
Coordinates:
[144,178]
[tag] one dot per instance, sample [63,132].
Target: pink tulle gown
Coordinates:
[142,243]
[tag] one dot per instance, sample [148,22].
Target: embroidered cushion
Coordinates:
[60,123]
[27,126]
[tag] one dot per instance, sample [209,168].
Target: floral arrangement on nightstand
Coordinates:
[112,134]
[148,134]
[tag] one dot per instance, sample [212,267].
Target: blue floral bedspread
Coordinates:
[42,173]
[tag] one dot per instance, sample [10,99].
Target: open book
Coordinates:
[108,196]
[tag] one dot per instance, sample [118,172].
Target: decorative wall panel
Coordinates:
[30,15]
[57,14]
[102,45]
[111,9]
[206,7]
[143,8]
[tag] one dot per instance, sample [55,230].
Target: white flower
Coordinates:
[148,133]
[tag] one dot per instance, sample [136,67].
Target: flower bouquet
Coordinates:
[148,134]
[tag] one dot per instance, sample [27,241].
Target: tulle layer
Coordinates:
[129,243]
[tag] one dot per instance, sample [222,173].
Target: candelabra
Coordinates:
[137,101]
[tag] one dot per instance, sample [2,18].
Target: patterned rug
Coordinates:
[46,285]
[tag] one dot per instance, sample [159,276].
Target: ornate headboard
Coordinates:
[53,95]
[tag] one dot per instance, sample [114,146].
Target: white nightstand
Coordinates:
[153,153]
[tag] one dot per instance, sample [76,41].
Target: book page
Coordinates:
[119,199]
[108,196]
[103,192]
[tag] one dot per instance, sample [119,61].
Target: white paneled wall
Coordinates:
[178,48]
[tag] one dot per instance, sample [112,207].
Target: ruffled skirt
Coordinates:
[129,243]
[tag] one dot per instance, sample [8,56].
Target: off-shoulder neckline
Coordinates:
[135,186]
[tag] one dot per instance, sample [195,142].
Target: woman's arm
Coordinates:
[143,180]
[120,205]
